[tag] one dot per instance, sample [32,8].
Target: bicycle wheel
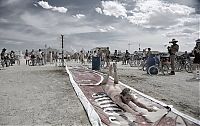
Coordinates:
[165,69]
[152,70]
[188,67]
[30,63]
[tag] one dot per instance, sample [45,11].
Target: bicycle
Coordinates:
[183,63]
[160,66]
[190,67]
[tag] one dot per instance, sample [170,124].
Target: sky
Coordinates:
[86,24]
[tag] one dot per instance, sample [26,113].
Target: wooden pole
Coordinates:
[62,52]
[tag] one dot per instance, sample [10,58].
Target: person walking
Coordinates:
[173,49]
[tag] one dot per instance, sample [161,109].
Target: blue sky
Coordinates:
[91,23]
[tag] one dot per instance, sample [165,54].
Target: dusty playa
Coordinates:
[45,96]
[39,95]
[180,90]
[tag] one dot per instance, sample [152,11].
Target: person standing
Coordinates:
[173,49]
[50,57]
[127,57]
[196,61]
[40,57]
[115,56]
[3,57]
[82,57]
[107,57]
[144,55]
[196,52]
[26,56]
[12,58]
[149,53]
[33,57]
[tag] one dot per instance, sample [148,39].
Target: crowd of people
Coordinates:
[34,58]
[9,58]
[123,97]
[106,57]
[40,57]
[102,54]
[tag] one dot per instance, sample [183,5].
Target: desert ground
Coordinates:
[39,95]
[43,95]
[180,90]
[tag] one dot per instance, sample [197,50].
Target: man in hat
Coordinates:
[172,51]
[196,52]
[3,54]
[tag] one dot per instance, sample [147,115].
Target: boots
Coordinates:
[172,73]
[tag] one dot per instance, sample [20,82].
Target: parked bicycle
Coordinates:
[160,66]
[190,67]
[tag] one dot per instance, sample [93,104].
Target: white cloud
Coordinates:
[46,5]
[60,9]
[35,5]
[184,33]
[113,8]
[111,28]
[158,14]
[98,10]
[103,30]
[138,18]
[79,16]
[149,13]
[106,29]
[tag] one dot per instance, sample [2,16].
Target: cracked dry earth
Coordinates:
[39,95]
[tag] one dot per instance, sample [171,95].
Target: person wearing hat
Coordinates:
[173,49]
[3,53]
[196,52]
[196,61]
